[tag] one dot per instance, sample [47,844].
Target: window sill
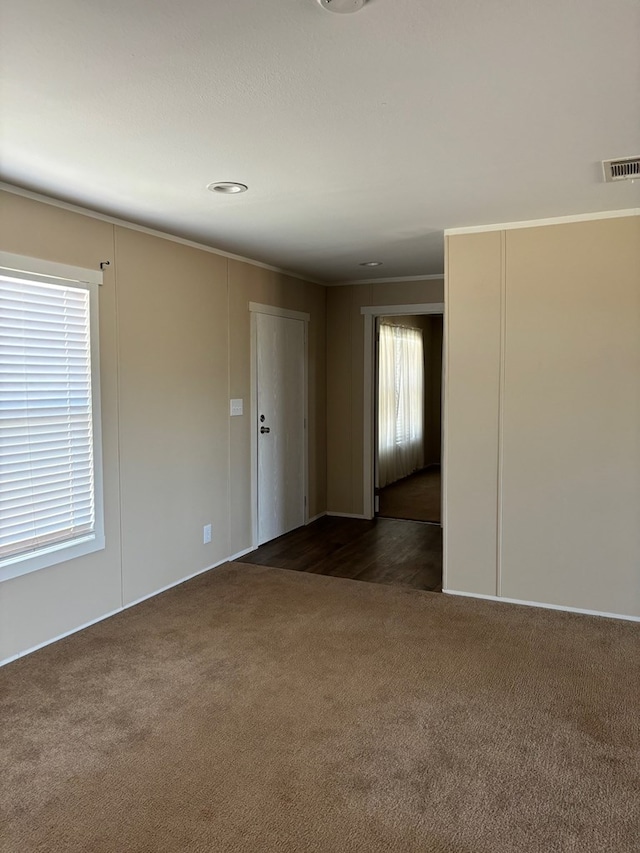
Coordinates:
[24,564]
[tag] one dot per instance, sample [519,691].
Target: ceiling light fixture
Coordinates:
[227,187]
[371,264]
[342,6]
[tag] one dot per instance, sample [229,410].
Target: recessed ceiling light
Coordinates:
[371,264]
[227,187]
[342,5]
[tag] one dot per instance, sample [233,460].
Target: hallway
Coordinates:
[386,551]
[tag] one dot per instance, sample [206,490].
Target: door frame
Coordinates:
[254,309]
[371,313]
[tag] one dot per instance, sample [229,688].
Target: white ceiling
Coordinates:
[360,136]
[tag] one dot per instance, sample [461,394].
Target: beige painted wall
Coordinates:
[472,365]
[345,381]
[174,347]
[553,466]
[43,604]
[174,424]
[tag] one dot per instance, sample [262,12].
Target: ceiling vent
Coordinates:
[623,169]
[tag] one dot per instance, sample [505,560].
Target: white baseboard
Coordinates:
[124,607]
[348,515]
[239,554]
[60,636]
[187,578]
[544,605]
[316,517]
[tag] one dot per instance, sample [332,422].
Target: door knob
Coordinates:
[265,429]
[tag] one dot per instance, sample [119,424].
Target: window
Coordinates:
[50,448]
[400,402]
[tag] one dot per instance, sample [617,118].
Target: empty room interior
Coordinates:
[319,418]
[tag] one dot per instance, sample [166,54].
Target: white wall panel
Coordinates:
[558,454]
[571,440]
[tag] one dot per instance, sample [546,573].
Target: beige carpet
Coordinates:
[256,710]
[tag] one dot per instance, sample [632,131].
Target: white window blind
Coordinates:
[47,494]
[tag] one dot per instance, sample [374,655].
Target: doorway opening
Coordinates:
[428,555]
[408,417]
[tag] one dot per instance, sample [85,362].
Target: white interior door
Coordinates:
[280,344]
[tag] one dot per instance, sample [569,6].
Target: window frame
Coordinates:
[90,280]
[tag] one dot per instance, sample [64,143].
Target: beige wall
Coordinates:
[543,457]
[543,411]
[174,347]
[345,381]
[472,365]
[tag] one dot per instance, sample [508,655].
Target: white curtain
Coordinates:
[400,403]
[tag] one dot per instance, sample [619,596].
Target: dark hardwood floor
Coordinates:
[416,497]
[388,551]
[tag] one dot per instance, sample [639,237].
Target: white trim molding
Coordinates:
[401,279]
[348,515]
[444,459]
[258,308]
[501,397]
[543,605]
[62,636]
[153,232]
[389,310]
[51,269]
[316,517]
[124,607]
[370,313]
[537,223]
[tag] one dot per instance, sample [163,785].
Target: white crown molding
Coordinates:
[536,223]
[398,280]
[123,223]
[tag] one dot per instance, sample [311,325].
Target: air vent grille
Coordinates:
[624,169]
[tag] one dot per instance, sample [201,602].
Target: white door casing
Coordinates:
[279,423]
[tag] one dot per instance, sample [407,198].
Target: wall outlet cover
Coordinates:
[206,534]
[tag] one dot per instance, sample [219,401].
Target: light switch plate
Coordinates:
[236,408]
[206,534]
